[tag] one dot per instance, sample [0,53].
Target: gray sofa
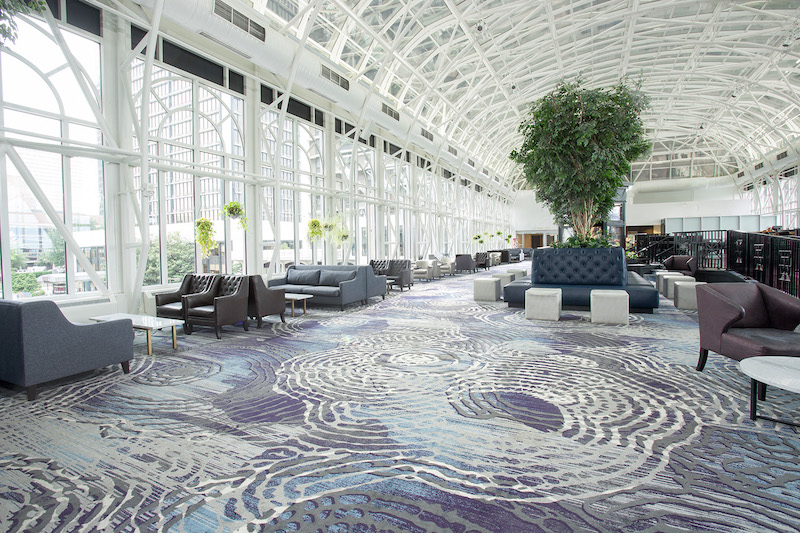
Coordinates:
[332,284]
[40,344]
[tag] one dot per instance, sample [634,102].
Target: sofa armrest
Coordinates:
[352,290]
[164,298]
[280,280]
[716,314]
[197,299]
[783,309]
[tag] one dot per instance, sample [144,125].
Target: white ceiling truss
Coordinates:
[723,76]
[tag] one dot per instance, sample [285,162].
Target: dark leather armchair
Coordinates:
[40,344]
[399,273]
[264,301]
[169,305]
[685,264]
[741,320]
[226,305]
[465,262]
[482,260]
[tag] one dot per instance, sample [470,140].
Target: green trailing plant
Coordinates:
[204,235]
[235,210]
[315,231]
[9,9]
[597,241]
[476,237]
[631,255]
[499,233]
[577,144]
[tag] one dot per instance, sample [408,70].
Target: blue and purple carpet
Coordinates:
[426,412]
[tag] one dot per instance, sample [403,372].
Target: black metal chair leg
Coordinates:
[701,362]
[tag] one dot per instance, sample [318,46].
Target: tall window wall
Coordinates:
[64,177]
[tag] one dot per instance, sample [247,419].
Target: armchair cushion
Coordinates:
[303,277]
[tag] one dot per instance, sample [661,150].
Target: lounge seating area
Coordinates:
[332,284]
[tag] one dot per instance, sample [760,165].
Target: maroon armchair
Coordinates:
[228,305]
[685,264]
[264,301]
[741,320]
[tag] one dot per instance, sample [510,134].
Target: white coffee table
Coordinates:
[773,370]
[294,297]
[147,323]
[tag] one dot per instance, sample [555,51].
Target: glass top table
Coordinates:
[147,323]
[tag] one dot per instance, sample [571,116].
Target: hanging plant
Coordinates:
[235,210]
[499,233]
[315,231]
[476,237]
[204,235]
[480,241]
[9,9]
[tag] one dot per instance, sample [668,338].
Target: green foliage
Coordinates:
[26,282]
[631,255]
[577,145]
[235,210]
[180,259]
[600,241]
[54,256]
[204,234]
[315,231]
[18,259]
[9,9]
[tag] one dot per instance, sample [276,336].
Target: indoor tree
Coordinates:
[577,145]
[9,9]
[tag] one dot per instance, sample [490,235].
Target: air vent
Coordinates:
[740,174]
[759,166]
[428,135]
[226,45]
[239,20]
[394,113]
[471,163]
[782,155]
[452,150]
[789,172]
[748,187]
[330,75]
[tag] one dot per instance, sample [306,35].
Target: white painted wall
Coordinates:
[646,206]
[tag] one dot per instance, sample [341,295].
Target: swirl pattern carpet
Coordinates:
[424,412]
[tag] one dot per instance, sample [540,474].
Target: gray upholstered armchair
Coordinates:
[40,344]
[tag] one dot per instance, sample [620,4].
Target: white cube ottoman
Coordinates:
[518,272]
[660,274]
[609,306]
[671,281]
[543,304]
[505,278]
[486,289]
[686,294]
[662,288]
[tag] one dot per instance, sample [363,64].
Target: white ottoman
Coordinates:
[662,287]
[486,289]
[609,306]
[543,304]
[671,281]
[505,278]
[660,274]
[686,294]
[518,272]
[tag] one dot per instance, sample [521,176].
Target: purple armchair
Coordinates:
[685,264]
[741,320]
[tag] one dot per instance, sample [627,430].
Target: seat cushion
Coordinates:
[290,288]
[332,278]
[302,277]
[739,343]
[321,290]
[201,311]
[171,310]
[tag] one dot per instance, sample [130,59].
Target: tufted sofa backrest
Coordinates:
[201,282]
[380,266]
[229,285]
[579,266]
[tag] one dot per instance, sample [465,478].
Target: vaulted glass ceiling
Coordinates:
[723,76]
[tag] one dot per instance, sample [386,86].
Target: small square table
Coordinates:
[294,297]
[147,323]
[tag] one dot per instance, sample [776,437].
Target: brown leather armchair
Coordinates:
[482,260]
[264,301]
[741,320]
[685,264]
[228,305]
[169,305]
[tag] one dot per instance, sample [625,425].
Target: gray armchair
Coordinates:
[40,344]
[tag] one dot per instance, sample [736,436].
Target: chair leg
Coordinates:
[216,330]
[701,362]
[245,325]
[260,322]
[282,318]
[31,390]
[187,329]
[762,391]
[126,367]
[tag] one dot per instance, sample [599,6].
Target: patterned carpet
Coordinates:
[425,412]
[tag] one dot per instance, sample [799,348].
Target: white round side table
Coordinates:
[774,370]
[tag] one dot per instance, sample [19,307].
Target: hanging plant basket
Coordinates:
[235,210]
[315,230]
[204,235]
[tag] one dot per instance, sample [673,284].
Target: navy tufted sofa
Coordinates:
[577,271]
